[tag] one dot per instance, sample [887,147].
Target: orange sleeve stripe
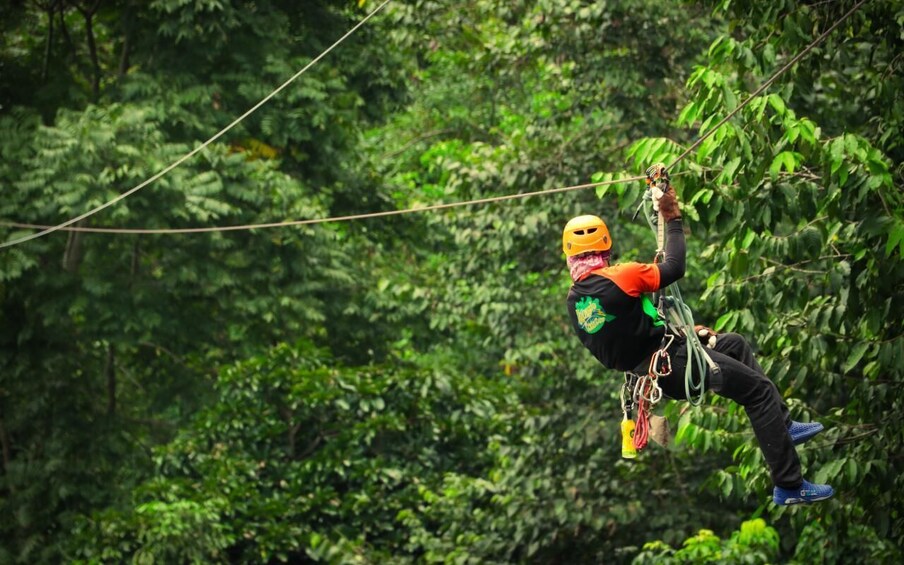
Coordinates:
[633,278]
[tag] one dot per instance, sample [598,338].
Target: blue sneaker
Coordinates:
[801,432]
[806,492]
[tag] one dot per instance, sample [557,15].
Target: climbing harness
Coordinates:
[678,318]
[642,392]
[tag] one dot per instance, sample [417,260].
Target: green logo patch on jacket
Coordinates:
[591,316]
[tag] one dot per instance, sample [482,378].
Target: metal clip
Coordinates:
[647,390]
[627,394]
[657,173]
[660,363]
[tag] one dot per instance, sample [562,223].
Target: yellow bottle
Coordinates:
[627,439]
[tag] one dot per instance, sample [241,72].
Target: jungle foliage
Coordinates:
[407,389]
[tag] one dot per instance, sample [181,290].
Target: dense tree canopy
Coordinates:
[407,388]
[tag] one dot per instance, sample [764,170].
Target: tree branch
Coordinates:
[781,266]
[88,15]
[159,348]
[127,31]
[49,9]
[414,141]
[152,423]
[311,448]
[70,46]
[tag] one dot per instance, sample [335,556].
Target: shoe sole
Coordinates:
[793,501]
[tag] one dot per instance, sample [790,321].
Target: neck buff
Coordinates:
[581,265]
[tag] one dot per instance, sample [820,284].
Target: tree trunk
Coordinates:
[6,450]
[124,56]
[110,371]
[92,52]
[70,47]
[136,260]
[48,47]
[72,257]
[127,27]
[88,15]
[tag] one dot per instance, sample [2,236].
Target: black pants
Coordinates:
[742,380]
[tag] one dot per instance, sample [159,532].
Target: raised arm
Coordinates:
[672,267]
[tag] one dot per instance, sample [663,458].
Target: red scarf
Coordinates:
[580,266]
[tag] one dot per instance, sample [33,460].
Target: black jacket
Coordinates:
[612,315]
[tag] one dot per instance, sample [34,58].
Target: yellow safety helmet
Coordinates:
[585,233]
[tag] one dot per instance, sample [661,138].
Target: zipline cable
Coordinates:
[338,218]
[768,83]
[699,361]
[197,149]
[697,356]
[701,139]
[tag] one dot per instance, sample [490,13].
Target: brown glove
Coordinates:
[668,205]
[707,336]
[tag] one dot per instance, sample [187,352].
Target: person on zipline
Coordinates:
[616,320]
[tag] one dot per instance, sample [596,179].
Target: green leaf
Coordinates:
[726,320]
[829,471]
[729,97]
[748,239]
[707,147]
[836,153]
[727,486]
[688,115]
[790,160]
[777,104]
[786,160]
[895,238]
[854,357]
[792,131]
[808,131]
[728,172]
